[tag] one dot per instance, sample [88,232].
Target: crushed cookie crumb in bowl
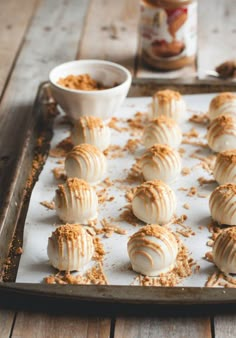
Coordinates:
[90,87]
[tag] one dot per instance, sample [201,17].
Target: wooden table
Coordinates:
[37,35]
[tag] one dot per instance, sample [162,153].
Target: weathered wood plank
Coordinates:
[225,326]
[217,33]
[162,327]
[38,325]
[110,32]
[51,39]
[12,28]
[6,322]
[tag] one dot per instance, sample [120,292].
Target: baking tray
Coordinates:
[18,175]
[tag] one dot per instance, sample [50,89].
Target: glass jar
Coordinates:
[168,30]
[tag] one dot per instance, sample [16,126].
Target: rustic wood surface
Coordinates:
[30,325]
[35,36]
[162,327]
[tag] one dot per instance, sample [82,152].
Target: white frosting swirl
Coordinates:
[91,130]
[70,247]
[223,204]
[221,134]
[162,130]
[87,162]
[161,162]
[76,201]
[224,251]
[169,103]
[152,250]
[222,104]
[225,167]
[154,202]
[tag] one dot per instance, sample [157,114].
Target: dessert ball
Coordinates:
[70,247]
[152,250]
[91,130]
[161,162]
[76,201]
[169,103]
[87,162]
[224,103]
[154,202]
[221,134]
[162,130]
[223,204]
[224,251]
[225,167]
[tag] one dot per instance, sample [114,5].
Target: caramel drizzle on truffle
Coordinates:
[220,99]
[225,247]
[75,191]
[162,155]
[223,124]
[91,156]
[161,129]
[142,239]
[167,95]
[221,201]
[75,241]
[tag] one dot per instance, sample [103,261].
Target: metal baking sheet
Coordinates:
[106,293]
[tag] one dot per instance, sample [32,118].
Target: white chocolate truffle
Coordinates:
[91,130]
[225,167]
[87,162]
[70,247]
[76,201]
[169,103]
[222,104]
[152,250]
[162,130]
[224,251]
[221,134]
[161,162]
[223,204]
[154,202]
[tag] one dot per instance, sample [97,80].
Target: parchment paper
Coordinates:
[40,221]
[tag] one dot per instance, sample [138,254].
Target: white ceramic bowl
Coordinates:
[100,103]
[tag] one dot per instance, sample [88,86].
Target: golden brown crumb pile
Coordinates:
[95,275]
[99,250]
[48,205]
[199,118]
[167,95]
[80,82]
[62,148]
[68,232]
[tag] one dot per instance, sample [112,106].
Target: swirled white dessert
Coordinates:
[225,167]
[161,162]
[223,204]
[152,250]
[91,130]
[222,104]
[221,134]
[76,201]
[162,130]
[224,251]
[87,162]
[70,247]
[169,103]
[154,202]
